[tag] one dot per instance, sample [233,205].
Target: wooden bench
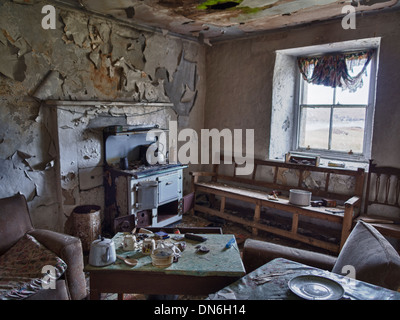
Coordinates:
[277,175]
[383,193]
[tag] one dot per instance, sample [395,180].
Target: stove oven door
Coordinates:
[168,188]
[147,195]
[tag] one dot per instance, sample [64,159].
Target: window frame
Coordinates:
[369,120]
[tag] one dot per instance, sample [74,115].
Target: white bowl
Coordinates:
[299,197]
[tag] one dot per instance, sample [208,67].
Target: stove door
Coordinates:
[147,192]
[168,188]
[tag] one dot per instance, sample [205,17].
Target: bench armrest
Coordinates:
[348,217]
[202,173]
[196,174]
[353,201]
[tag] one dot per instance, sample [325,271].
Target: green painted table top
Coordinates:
[217,262]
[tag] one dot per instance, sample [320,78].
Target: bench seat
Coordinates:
[255,192]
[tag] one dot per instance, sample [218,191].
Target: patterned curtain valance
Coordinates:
[333,70]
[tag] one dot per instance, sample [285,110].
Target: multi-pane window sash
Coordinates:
[329,146]
[324,126]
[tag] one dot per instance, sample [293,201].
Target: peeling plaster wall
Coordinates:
[84,58]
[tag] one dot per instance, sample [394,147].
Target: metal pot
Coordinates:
[299,197]
[102,252]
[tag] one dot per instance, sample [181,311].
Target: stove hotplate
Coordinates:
[139,170]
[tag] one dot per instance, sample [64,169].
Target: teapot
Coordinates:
[102,252]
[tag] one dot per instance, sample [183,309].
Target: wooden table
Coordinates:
[270,282]
[194,273]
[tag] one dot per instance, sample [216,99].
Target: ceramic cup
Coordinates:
[129,242]
[148,246]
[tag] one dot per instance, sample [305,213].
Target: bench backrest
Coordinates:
[383,186]
[333,183]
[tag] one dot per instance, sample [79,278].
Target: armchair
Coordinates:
[16,229]
[372,256]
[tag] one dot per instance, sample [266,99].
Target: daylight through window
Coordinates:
[335,119]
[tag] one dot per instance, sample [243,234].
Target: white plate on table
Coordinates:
[313,287]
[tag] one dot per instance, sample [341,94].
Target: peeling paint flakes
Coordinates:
[187,95]
[12,66]
[75,28]
[182,86]
[104,78]
[90,178]
[128,44]
[13,181]
[50,87]
[69,199]
[96,40]
[94,56]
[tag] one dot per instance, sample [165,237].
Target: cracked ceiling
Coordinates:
[215,20]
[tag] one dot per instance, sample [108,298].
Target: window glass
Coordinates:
[317,94]
[334,119]
[348,129]
[314,128]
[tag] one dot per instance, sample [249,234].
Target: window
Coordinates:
[336,120]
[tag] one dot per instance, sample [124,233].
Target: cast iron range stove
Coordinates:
[137,193]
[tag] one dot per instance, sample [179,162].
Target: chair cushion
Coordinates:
[372,256]
[26,268]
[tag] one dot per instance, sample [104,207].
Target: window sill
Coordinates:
[327,159]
